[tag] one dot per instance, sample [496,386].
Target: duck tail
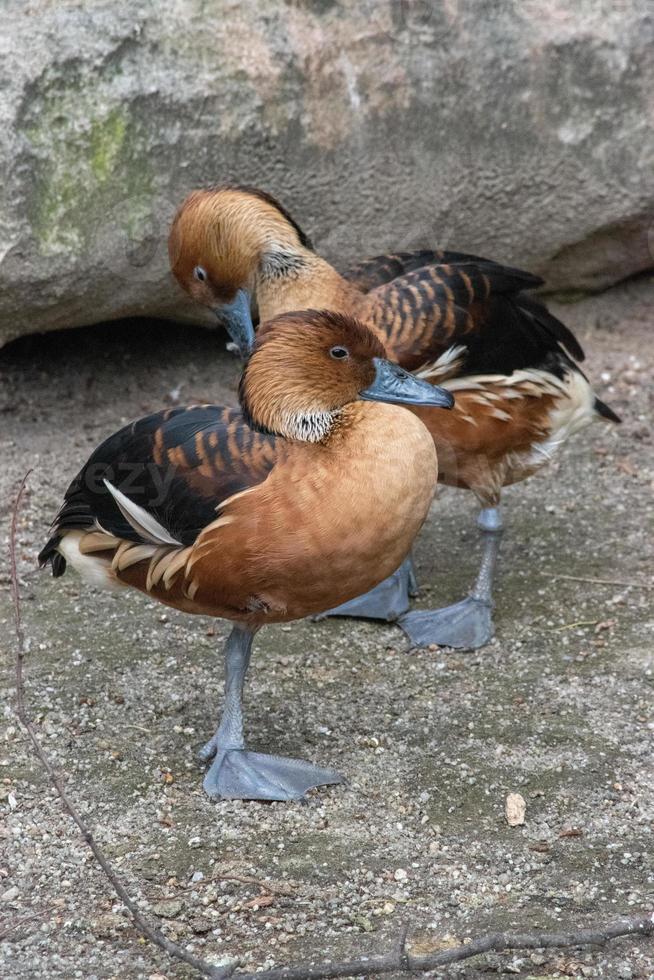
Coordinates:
[605,412]
[50,555]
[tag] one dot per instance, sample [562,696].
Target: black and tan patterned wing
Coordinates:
[381,269]
[478,306]
[176,465]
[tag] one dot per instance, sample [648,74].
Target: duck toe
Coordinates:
[242,775]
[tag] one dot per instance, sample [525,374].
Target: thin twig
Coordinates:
[601,581]
[400,960]
[571,626]
[144,927]
[402,953]
[246,880]
[18,923]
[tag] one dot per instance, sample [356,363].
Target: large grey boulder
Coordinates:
[518,129]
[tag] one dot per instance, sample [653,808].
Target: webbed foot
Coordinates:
[241,775]
[467,625]
[387,601]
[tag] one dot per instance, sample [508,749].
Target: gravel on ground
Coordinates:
[559,708]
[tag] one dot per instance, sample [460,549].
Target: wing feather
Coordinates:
[379,270]
[161,480]
[145,525]
[474,303]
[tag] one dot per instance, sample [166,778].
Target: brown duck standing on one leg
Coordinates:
[454,319]
[307,497]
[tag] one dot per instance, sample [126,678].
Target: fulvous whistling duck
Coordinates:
[463,322]
[310,495]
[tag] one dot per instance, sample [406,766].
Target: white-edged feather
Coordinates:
[530,381]
[158,565]
[143,523]
[176,564]
[450,360]
[134,555]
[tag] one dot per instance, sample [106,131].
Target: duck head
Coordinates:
[306,367]
[222,240]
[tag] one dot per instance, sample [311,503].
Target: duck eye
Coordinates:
[200,274]
[339,353]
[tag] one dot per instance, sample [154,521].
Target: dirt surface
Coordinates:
[559,709]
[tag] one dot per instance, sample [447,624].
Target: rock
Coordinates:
[167,908]
[519,131]
[363,922]
[106,925]
[200,925]
[515,809]
[424,944]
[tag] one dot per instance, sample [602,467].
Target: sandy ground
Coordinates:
[559,708]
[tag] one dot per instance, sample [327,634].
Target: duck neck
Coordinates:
[298,426]
[271,406]
[295,278]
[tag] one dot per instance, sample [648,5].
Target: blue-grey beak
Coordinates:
[393,384]
[237,319]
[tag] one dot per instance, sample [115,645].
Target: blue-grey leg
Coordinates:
[467,625]
[235,773]
[387,601]
[412,584]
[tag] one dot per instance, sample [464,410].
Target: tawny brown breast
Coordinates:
[330,523]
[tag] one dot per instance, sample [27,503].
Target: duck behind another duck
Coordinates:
[308,496]
[460,321]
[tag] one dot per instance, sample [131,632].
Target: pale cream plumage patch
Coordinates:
[566,417]
[94,570]
[529,383]
[158,565]
[165,562]
[126,557]
[97,541]
[119,552]
[467,418]
[448,363]
[480,399]
[520,383]
[177,563]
